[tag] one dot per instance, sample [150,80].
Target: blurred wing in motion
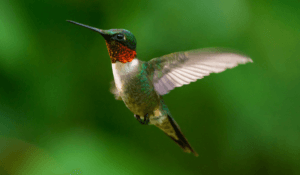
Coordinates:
[180,68]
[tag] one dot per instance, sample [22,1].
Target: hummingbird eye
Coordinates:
[120,36]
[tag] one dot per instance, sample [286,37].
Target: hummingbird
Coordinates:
[142,84]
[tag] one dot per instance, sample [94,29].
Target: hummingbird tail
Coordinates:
[171,128]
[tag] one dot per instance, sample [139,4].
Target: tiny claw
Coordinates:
[146,119]
[143,122]
[138,118]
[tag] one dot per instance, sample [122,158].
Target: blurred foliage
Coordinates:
[58,117]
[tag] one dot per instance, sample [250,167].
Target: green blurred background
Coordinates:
[58,117]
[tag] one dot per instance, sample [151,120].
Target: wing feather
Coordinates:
[179,78]
[162,86]
[167,83]
[196,70]
[174,79]
[170,81]
[182,76]
[191,73]
[187,75]
[180,68]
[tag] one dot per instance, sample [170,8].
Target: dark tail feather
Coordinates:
[170,127]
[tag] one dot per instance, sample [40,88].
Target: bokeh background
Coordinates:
[58,117]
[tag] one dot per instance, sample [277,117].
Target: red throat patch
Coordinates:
[119,52]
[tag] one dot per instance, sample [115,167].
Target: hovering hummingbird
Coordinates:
[142,84]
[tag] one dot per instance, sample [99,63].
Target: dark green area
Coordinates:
[57,114]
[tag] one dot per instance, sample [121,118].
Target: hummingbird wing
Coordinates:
[180,68]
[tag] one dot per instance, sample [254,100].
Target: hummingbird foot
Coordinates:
[144,121]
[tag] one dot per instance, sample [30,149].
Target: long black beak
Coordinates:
[102,32]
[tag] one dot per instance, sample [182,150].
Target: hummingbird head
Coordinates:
[121,43]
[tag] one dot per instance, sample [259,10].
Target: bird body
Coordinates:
[134,86]
[141,84]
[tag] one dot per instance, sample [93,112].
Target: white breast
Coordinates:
[123,71]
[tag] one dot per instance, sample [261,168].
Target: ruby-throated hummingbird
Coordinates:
[142,84]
